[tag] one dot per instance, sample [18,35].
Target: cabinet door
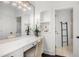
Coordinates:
[27,47]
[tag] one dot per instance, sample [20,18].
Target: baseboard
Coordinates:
[49,52]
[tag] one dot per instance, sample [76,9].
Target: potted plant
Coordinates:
[27,30]
[36,31]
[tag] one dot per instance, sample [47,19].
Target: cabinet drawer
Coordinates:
[17,53]
[25,48]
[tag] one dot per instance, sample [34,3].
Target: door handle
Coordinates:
[77,37]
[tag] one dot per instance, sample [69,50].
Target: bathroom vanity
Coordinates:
[15,47]
[13,23]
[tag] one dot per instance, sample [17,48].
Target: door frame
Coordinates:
[73,23]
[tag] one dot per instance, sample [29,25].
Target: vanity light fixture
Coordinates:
[19,4]
[14,4]
[6,2]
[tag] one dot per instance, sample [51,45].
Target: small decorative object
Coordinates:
[36,31]
[44,27]
[28,30]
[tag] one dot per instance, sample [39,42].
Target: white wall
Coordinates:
[46,21]
[42,6]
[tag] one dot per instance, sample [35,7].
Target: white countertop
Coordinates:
[10,45]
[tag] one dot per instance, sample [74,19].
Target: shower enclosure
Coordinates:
[64,32]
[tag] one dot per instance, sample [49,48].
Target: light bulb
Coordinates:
[14,4]
[25,5]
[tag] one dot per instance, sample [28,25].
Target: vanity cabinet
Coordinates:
[17,48]
[29,46]
[17,53]
[20,52]
[29,51]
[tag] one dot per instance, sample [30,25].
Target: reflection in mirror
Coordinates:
[15,16]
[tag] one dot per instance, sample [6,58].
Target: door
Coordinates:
[76,31]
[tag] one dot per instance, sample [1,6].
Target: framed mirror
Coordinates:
[15,16]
